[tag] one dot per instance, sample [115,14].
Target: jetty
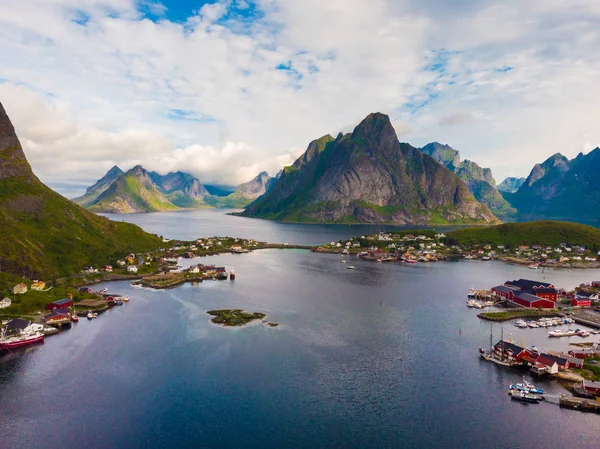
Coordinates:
[581,404]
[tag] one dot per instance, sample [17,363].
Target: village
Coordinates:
[547,306]
[430,246]
[34,309]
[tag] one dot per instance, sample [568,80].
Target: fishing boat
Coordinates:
[526,387]
[490,356]
[350,267]
[20,340]
[524,397]
[74,317]
[232,275]
[471,293]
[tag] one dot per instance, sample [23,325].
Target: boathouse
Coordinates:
[528,300]
[502,291]
[576,302]
[550,293]
[60,304]
[549,360]
[527,284]
[592,386]
[85,290]
[58,316]
[510,351]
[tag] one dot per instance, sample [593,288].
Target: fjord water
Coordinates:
[381,356]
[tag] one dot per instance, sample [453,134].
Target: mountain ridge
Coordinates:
[368,176]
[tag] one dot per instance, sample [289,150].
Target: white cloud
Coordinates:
[92,83]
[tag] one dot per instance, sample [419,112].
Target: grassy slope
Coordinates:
[42,234]
[530,233]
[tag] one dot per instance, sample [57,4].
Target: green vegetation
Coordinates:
[517,313]
[235,317]
[590,370]
[511,235]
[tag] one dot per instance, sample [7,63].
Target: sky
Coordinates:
[226,89]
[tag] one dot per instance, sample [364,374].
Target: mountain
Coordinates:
[511,185]
[246,192]
[368,176]
[479,180]
[138,190]
[44,235]
[99,187]
[562,189]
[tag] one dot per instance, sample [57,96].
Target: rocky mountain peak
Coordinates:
[375,125]
[12,159]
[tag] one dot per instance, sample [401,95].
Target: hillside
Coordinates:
[546,233]
[42,234]
[368,176]
[561,189]
[479,180]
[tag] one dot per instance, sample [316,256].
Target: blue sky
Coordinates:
[230,88]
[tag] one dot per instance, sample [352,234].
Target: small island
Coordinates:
[236,317]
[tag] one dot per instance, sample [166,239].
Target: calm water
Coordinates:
[189,225]
[381,356]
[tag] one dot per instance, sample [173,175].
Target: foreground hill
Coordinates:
[547,233]
[480,181]
[561,189]
[368,176]
[42,234]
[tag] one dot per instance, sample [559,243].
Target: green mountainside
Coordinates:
[561,189]
[42,234]
[546,233]
[368,176]
[246,192]
[480,181]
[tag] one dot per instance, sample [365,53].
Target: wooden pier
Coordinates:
[581,404]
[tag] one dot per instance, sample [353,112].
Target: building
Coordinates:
[107,268]
[549,360]
[85,290]
[550,293]
[529,301]
[194,269]
[58,317]
[581,302]
[132,269]
[38,285]
[584,294]
[6,302]
[511,352]
[19,289]
[527,285]
[592,386]
[582,353]
[60,304]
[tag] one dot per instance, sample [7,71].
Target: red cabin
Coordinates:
[60,304]
[581,302]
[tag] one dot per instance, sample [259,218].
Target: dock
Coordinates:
[581,404]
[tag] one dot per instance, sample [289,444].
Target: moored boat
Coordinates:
[74,317]
[524,397]
[526,387]
[20,340]
[350,267]
[556,333]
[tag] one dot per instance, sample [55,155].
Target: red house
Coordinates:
[549,360]
[581,302]
[592,386]
[546,292]
[60,304]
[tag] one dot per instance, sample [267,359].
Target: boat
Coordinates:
[491,357]
[343,261]
[92,315]
[533,266]
[582,333]
[232,275]
[471,293]
[532,324]
[350,267]
[125,298]
[21,339]
[410,261]
[556,333]
[521,324]
[526,387]
[74,317]
[524,397]
[470,303]
[486,258]
[569,333]
[104,290]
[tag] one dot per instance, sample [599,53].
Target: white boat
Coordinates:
[350,267]
[532,324]
[556,333]
[520,323]
[126,298]
[470,303]
[343,260]
[92,315]
[471,293]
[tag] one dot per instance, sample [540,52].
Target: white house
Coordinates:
[5,303]
[195,269]
[132,269]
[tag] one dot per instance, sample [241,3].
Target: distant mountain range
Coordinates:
[138,190]
[561,189]
[44,235]
[511,185]
[480,181]
[369,176]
